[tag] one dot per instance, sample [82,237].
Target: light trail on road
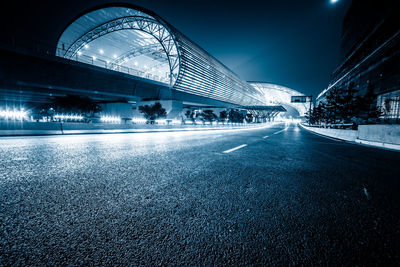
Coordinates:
[174,198]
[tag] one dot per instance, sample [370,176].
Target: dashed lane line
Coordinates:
[235,148]
[281,130]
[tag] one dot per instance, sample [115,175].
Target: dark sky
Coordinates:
[288,42]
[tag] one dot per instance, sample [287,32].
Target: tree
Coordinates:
[223,115]
[187,114]
[235,116]
[308,116]
[153,112]
[208,115]
[333,105]
[387,106]
[367,109]
[317,114]
[348,103]
[74,104]
[190,115]
[249,117]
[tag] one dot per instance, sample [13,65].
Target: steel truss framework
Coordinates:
[278,95]
[265,112]
[147,25]
[192,69]
[150,50]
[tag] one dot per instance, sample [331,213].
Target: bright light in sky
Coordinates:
[334,1]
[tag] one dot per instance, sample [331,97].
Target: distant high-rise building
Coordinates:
[370,51]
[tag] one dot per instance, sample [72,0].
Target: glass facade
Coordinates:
[390,105]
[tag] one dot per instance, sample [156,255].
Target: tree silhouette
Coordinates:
[367,110]
[208,115]
[235,116]
[74,104]
[223,115]
[153,112]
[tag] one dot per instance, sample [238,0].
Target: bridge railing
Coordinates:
[41,49]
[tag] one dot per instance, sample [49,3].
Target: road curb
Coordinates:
[357,141]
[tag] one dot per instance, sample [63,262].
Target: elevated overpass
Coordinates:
[121,52]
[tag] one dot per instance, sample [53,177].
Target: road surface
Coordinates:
[278,195]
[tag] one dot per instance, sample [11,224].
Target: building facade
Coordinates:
[370,51]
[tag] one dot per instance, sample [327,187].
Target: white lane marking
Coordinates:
[19,159]
[235,148]
[265,136]
[281,130]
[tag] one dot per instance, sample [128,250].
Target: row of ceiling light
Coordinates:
[101,51]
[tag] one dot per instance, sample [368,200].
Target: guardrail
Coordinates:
[49,51]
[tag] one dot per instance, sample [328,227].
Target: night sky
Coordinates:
[288,42]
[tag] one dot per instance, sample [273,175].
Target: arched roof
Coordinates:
[138,42]
[122,39]
[280,95]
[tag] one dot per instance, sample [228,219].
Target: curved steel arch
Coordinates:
[144,24]
[269,90]
[193,70]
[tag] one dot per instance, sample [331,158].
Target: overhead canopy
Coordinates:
[122,39]
[135,41]
[280,95]
[270,108]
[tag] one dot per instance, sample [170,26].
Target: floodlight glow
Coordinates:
[161,121]
[69,117]
[114,56]
[94,57]
[136,63]
[79,53]
[13,114]
[101,51]
[334,1]
[86,46]
[110,119]
[170,122]
[139,120]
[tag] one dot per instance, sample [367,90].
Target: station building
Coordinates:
[124,56]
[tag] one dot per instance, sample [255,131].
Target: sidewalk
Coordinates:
[379,136]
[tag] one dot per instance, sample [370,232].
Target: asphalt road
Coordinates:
[276,196]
